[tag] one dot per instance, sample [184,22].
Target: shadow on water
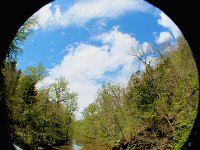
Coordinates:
[83,146]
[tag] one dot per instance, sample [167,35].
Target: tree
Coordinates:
[9,74]
[37,73]
[22,34]
[156,110]
[63,97]
[23,105]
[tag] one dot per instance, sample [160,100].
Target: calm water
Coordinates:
[81,146]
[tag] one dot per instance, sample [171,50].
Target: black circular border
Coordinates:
[14,13]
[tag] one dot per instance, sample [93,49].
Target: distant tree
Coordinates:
[61,94]
[157,108]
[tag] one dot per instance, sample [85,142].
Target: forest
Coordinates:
[155,110]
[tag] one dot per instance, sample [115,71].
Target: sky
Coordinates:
[89,42]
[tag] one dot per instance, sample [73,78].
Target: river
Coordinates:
[83,146]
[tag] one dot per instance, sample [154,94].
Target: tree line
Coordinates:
[38,116]
[155,110]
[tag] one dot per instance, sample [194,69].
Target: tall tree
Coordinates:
[61,94]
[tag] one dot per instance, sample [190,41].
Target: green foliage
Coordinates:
[36,73]
[39,116]
[156,110]
[15,47]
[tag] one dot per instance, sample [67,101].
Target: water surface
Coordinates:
[83,146]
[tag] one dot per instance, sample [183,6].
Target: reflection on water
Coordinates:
[85,146]
[76,146]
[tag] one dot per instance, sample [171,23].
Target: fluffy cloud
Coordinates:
[86,64]
[165,21]
[82,12]
[46,17]
[164,37]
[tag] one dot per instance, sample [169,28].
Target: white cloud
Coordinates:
[84,11]
[44,15]
[164,37]
[85,64]
[146,46]
[165,21]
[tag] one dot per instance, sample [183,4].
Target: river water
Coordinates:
[81,146]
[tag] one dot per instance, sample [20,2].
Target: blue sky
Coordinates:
[90,41]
